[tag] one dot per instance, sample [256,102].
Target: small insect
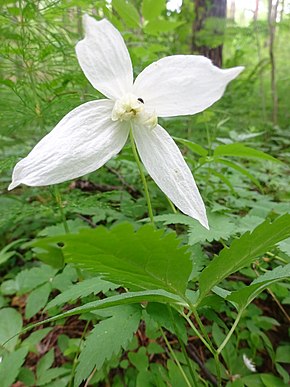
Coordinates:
[140,99]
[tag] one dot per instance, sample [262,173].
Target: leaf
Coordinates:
[169,319]
[10,366]
[196,148]
[285,246]
[243,251]
[10,325]
[107,339]
[146,259]
[127,12]
[122,299]
[30,279]
[37,299]
[241,150]
[240,169]
[155,27]
[5,254]
[283,354]
[82,289]
[151,9]
[220,226]
[245,296]
[35,338]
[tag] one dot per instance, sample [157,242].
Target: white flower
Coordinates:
[91,134]
[249,363]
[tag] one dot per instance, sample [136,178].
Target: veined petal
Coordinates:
[104,58]
[165,164]
[182,84]
[84,140]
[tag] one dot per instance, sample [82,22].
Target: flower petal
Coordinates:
[182,84]
[104,58]
[84,140]
[165,164]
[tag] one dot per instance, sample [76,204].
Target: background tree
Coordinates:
[208,29]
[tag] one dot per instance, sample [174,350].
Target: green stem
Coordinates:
[218,369]
[277,257]
[175,358]
[208,346]
[137,159]
[231,331]
[185,354]
[60,207]
[174,210]
[75,361]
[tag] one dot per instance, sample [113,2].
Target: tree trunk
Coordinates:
[272,17]
[206,10]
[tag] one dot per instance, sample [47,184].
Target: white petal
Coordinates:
[165,164]
[182,84]
[104,58]
[84,140]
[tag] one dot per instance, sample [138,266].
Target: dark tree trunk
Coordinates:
[205,9]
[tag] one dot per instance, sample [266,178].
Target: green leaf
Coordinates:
[243,251]
[82,289]
[122,299]
[240,169]
[146,259]
[10,325]
[169,319]
[10,366]
[127,12]
[245,296]
[220,226]
[107,339]
[241,150]
[35,338]
[151,9]
[283,354]
[37,300]
[30,279]
[155,27]
[196,148]
[139,359]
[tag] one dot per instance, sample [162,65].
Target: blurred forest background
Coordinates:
[238,151]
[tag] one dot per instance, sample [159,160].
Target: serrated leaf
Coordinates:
[285,246]
[245,296]
[122,299]
[82,289]
[241,150]
[243,251]
[169,319]
[107,339]
[10,366]
[220,226]
[146,259]
[151,9]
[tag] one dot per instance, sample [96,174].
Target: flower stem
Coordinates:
[175,358]
[185,354]
[60,207]
[138,161]
[231,331]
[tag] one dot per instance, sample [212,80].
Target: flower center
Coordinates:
[129,107]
